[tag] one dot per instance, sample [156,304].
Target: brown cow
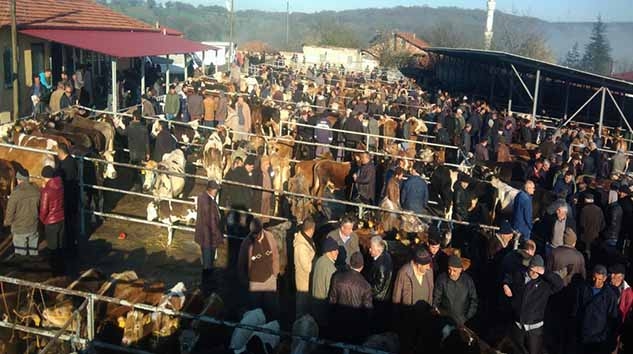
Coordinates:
[29,160]
[330,172]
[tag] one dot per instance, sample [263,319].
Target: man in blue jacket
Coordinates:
[522,216]
[414,194]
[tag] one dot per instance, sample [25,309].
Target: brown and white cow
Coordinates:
[33,162]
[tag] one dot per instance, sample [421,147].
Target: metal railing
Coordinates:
[91,298]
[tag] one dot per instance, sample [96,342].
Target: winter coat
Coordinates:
[590,223]
[614,221]
[366,182]
[481,153]
[461,202]
[457,299]
[165,143]
[414,194]
[323,135]
[626,300]
[522,216]
[403,287]
[322,273]
[195,107]
[137,141]
[22,209]
[598,315]
[52,202]
[345,250]
[304,252]
[561,187]
[238,197]
[567,262]
[350,289]
[530,299]
[208,228]
[222,109]
[172,104]
[245,257]
[379,276]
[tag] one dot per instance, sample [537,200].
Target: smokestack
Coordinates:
[489,20]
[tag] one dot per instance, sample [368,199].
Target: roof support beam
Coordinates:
[143,82]
[522,82]
[581,107]
[167,72]
[535,99]
[604,95]
[115,86]
[620,111]
[510,96]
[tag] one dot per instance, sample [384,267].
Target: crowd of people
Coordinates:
[554,285]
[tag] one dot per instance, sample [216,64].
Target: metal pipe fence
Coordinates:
[91,299]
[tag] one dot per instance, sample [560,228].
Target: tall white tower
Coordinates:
[489,20]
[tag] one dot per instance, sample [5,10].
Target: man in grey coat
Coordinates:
[322,273]
[346,239]
[22,215]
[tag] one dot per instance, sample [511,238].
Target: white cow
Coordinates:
[505,196]
[164,185]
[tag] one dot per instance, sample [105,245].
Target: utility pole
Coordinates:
[231,16]
[287,23]
[14,61]
[489,20]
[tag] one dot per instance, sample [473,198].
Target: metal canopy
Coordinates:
[524,64]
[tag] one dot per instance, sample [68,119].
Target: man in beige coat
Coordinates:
[304,252]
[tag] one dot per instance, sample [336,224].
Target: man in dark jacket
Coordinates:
[138,144]
[597,314]
[351,301]
[70,177]
[461,198]
[481,150]
[566,260]
[165,143]
[365,179]
[52,217]
[354,124]
[529,292]
[208,231]
[239,197]
[454,293]
[590,223]
[414,194]
[625,201]
[381,270]
[613,219]
[522,215]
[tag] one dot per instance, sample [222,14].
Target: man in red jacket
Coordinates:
[52,217]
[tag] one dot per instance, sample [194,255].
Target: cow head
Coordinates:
[110,171]
[149,176]
[6,131]
[136,326]
[58,316]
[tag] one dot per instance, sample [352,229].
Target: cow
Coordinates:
[213,306]
[138,325]
[213,158]
[103,127]
[186,133]
[7,183]
[33,162]
[240,336]
[327,172]
[165,185]
[170,213]
[389,127]
[441,188]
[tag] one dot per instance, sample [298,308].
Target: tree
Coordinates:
[597,57]
[573,59]
[527,41]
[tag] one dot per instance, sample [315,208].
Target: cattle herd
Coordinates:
[300,188]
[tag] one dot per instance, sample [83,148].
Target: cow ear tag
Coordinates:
[121,322]
[147,320]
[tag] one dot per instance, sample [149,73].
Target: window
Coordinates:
[37,58]
[7,63]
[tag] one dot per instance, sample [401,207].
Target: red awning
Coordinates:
[121,44]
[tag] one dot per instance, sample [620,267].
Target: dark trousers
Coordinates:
[137,178]
[208,257]
[529,342]
[303,303]
[55,240]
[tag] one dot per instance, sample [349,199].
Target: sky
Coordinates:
[550,10]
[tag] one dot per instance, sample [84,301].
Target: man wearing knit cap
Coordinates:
[597,314]
[322,273]
[412,297]
[22,215]
[351,301]
[566,260]
[529,292]
[454,293]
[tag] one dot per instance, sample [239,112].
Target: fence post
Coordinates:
[82,218]
[90,318]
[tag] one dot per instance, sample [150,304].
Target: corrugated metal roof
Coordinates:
[121,44]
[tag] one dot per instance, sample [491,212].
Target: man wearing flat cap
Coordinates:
[454,293]
[351,300]
[208,233]
[529,292]
[566,260]
[597,314]
[22,214]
